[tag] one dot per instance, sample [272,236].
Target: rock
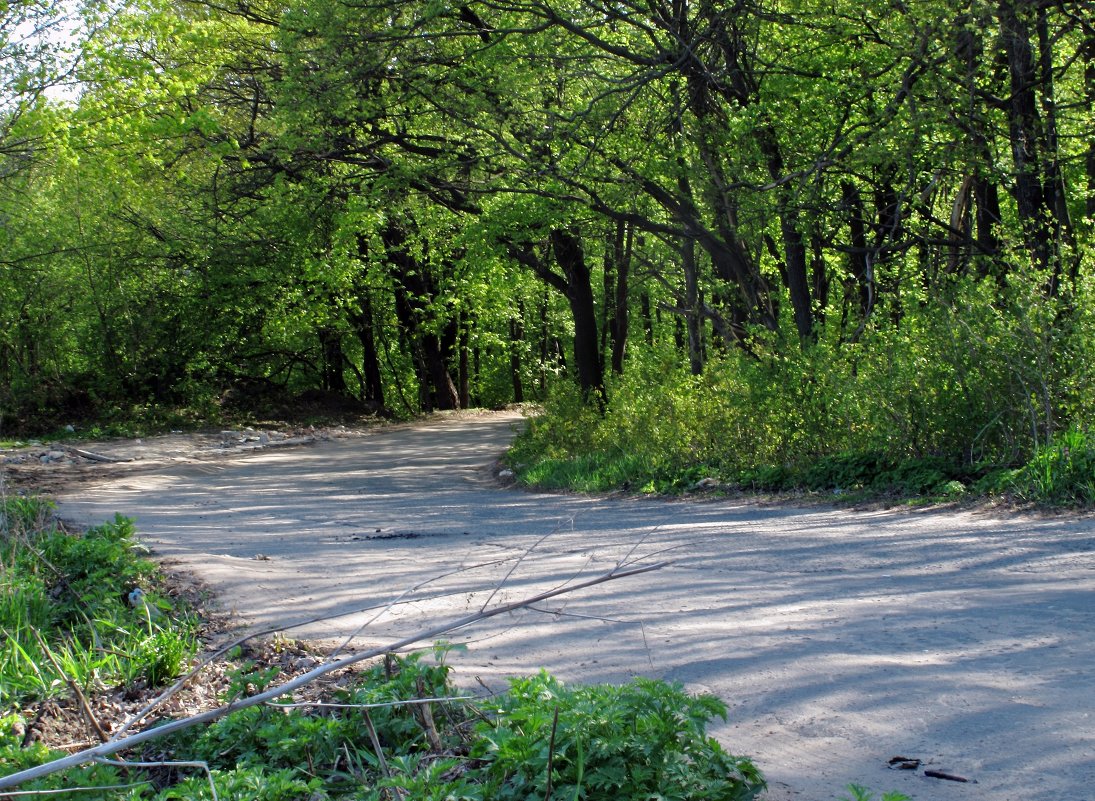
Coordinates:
[56,456]
[505,475]
[264,438]
[70,429]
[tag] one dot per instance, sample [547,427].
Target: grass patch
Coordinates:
[1062,474]
[64,613]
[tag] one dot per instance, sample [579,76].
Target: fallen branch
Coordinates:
[113,747]
[85,707]
[94,457]
[153,705]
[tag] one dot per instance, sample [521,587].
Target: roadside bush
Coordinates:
[632,742]
[643,740]
[1062,472]
[970,382]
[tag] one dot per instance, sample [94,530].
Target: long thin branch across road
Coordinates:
[106,749]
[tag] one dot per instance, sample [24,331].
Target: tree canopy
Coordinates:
[842,225]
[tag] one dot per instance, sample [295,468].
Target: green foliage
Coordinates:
[640,740]
[1061,473]
[253,783]
[83,781]
[942,406]
[857,792]
[565,427]
[63,612]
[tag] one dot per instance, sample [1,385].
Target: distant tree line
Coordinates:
[433,205]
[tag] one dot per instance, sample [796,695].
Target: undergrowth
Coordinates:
[541,739]
[671,438]
[64,610]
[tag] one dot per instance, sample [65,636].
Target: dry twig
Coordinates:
[432,633]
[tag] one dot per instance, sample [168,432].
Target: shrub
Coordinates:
[633,742]
[1062,472]
[63,612]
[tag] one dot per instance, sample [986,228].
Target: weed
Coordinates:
[858,792]
[1061,473]
[637,741]
[62,610]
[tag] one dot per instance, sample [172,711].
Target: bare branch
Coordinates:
[92,754]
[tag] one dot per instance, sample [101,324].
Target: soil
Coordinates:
[961,641]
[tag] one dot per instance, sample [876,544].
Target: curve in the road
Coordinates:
[839,638]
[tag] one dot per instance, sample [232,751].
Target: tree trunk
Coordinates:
[464,384]
[413,289]
[648,318]
[1053,188]
[608,294]
[516,337]
[794,247]
[362,320]
[692,316]
[333,360]
[859,254]
[624,241]
[1025,128]
[1089,93]
[579,291]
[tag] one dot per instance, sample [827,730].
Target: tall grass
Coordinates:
[63,615]
[1062,472]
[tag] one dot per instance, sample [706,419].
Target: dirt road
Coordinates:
[840,639]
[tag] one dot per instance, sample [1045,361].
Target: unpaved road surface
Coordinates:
[839,638]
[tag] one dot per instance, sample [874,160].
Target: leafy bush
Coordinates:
[1062,472]
[246,784]
[638,741]
[962,387]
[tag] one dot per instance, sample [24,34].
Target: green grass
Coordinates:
[63,613]
[1061,474]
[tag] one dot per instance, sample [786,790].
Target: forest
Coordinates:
[703,235]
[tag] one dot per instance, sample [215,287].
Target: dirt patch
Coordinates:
[51,467]
[63,724]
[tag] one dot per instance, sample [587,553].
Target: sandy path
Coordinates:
[839,638]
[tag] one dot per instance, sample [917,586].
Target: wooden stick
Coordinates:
[155,703]
[551,754]
[85,707]
[94,457]
[113,747]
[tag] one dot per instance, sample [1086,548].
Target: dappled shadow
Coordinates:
[839,638]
